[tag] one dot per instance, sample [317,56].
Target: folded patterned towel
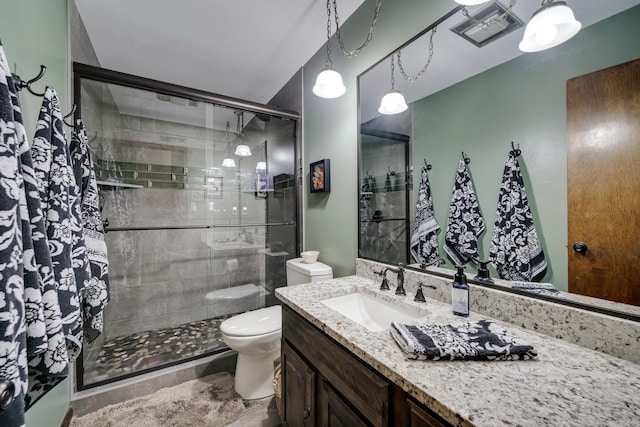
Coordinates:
[537,288]
[481,340]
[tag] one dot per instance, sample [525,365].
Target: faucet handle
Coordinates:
[385,284]
[420,294]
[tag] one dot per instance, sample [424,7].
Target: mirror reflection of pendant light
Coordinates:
[242,149]
[551,25]
[329,81]
[228,162]
[261,166]
[393,102]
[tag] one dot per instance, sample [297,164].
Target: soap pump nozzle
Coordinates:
[460,277]
[483,273]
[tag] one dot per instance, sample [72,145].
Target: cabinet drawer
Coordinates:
[361,386]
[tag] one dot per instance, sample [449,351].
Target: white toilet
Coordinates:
[255,335]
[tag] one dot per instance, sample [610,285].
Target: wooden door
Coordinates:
[603,183]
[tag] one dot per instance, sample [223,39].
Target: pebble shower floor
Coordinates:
[127,354]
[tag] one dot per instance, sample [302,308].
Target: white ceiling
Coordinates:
[247,49]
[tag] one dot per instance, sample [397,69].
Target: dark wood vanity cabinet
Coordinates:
[323,384]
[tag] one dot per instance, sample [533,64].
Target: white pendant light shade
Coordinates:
[392,103]
[471,2]
[242,150]
[329,84]
[228,163]
[551,25]
[261,166]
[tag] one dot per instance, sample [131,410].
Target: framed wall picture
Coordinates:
[320,176]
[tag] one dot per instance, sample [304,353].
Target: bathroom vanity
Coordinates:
[336,371]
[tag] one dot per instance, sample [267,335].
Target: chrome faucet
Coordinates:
[400,271]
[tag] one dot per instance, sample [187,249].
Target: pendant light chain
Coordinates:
[355,52]
[495,20]
[393,75]
[329,63]
[424,69]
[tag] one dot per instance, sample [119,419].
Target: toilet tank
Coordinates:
[298,272]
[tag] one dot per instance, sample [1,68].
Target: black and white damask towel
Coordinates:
[96,295]
[515,251]
[60,201]
[465,222]
[424,236]
[13,330]
[52,360]
[480,340]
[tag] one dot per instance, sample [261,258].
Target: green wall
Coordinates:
[34,32]
[330,125]
[523,101]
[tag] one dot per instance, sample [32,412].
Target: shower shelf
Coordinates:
[117,184]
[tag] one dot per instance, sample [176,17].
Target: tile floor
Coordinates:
[259,413]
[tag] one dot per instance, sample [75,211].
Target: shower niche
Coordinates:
[190,242]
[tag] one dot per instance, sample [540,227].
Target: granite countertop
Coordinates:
[566,385]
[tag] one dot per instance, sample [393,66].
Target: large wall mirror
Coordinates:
[478,97]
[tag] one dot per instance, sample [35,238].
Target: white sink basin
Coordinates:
[373,313]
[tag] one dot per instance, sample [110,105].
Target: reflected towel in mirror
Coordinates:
[477,340]
[465,222]
[424,237]
[515,250]
[537,288]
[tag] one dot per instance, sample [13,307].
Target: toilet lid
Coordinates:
[256,322]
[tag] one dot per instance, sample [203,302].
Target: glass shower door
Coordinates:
[190,242]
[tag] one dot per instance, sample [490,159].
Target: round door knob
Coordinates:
[580,247]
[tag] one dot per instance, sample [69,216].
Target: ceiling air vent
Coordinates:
[484,25]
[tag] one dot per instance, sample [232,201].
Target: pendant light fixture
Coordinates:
[228,162]
[393,102]
[242,149]
[551,25]
[329,81]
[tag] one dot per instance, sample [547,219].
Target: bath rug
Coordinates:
[210,401]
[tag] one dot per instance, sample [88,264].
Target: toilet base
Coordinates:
[254,374]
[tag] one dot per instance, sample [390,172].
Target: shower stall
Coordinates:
[190,241]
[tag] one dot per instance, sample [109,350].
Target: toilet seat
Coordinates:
[253,323]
